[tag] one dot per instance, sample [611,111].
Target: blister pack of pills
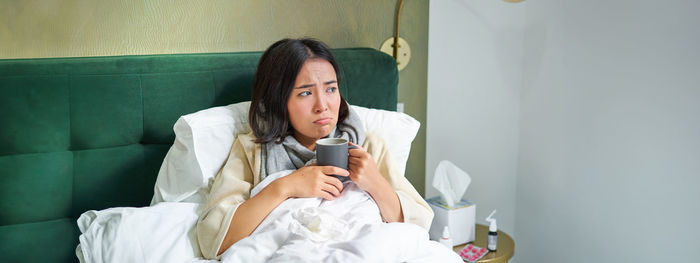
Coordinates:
[471,253]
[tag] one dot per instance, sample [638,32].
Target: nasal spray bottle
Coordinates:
[493,232]
[446,240]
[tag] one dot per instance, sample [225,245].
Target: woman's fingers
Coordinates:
[329,187]
[317,182]
[337,184]
[357,164]
[332,170]
[358,146]
[326,195]
[332,189]
[354,160]
[359,152]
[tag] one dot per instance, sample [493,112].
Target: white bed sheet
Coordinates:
[347,229]
[354,222]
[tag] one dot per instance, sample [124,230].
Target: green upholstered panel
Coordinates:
[166,96]
[34,114]
[233,84]
[117,176]
[90,133]
[153,155]
[35,187]
[105,110]
[47,241]
[368,80]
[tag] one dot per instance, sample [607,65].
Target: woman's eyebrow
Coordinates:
[305,86]
[311,85]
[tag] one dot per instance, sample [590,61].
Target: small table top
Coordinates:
[505,248]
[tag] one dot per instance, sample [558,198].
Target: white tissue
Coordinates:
[317,224]
[451,182]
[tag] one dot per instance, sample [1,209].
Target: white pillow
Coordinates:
[396,128]
[203,142]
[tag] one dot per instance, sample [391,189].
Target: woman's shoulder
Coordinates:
[247,141]
[246,136]
[245,145]
[374,138]
[373,142]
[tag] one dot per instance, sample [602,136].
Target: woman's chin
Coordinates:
[318,132]
[324,132]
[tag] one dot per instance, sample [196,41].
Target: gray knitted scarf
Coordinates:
[291,155]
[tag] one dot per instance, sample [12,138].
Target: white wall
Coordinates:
[474,77]
[609,161]
[595,105]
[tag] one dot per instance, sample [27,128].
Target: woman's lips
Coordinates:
[323,121]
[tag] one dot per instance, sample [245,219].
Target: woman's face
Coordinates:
[314,102]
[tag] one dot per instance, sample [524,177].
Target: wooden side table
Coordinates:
[504,251]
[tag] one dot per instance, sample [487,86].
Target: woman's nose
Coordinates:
[321,104]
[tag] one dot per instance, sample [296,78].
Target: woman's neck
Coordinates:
[309,143]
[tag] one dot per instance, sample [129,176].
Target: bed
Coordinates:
[87,134]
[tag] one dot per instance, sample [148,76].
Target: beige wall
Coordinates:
[73,28]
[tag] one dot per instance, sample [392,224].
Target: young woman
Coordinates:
[295,102]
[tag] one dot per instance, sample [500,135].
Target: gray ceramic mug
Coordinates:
[333,152]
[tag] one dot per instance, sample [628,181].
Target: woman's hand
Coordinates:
[363,170]
[312,181]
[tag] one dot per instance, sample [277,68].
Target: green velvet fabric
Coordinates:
[27,123]
[105,111]
[46,241]
[35,187]
[80,134]
[128,171]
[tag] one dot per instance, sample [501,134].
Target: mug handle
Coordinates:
[344,179]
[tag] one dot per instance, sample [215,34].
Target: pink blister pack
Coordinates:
[471,253]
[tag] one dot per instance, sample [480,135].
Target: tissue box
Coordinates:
[459,219]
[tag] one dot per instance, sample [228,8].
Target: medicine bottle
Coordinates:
[492,243]
[445,239]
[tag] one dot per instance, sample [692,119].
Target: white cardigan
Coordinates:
[242,172]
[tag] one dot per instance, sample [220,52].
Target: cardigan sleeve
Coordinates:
[230,188]
[414,208]
[234,181]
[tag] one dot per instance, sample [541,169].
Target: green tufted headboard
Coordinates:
[90,133]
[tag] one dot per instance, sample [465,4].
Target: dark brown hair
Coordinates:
[274,80]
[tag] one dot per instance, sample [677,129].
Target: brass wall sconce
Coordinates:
[397,47]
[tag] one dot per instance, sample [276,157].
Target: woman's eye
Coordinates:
[331,89]
[305,93]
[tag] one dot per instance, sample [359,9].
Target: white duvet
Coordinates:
[161,233]
[347,229]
